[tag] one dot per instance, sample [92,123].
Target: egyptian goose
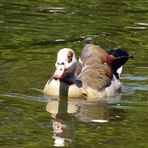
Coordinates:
[95,75]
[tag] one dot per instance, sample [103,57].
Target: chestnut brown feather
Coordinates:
[69,56]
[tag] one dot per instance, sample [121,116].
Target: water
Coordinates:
[31,34]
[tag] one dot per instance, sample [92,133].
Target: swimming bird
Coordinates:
[95,75]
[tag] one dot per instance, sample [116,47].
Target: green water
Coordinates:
[31,33]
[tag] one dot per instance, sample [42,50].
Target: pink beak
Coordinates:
[60,69]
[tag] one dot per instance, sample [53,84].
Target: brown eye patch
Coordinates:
[69,56]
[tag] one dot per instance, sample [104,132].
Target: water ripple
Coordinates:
[135,78]
[22,96]
[52,9]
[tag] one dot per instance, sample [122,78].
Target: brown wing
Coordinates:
[78,68]
[95,73]
[91,49]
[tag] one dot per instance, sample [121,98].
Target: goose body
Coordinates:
[91,77]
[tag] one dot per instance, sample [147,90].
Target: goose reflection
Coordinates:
[63,111]
[62,121]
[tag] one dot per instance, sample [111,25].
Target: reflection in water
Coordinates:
[93,112]
[62,123]
[62,111]
[62,131]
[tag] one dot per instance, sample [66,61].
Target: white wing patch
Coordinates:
[119,70]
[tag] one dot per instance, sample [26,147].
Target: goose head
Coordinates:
[65,64]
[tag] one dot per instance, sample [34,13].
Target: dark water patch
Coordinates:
[56,42]
[18,123]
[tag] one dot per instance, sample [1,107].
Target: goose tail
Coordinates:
[120,58]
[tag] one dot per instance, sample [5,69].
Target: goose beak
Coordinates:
[60,69]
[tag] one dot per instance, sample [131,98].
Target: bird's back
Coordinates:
[92,69]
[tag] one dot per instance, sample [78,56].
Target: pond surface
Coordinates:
[31,33]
